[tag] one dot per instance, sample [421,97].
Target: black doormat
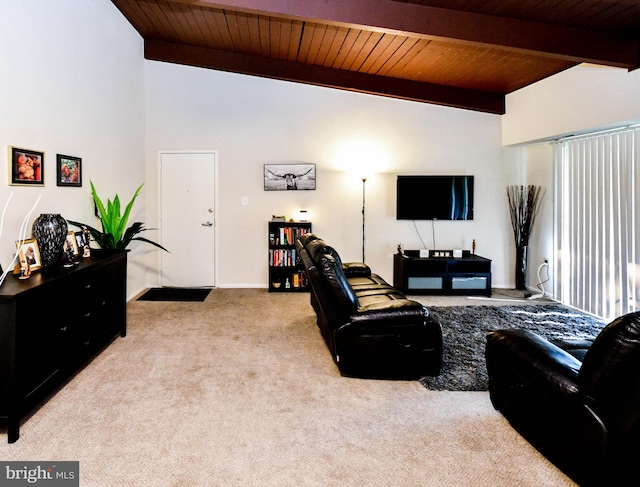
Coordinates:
[175,294]
[465,328]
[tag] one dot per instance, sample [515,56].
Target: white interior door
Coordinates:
[187,218]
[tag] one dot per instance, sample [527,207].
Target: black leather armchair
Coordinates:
[582,414]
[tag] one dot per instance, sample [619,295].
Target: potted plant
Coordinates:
[114,234]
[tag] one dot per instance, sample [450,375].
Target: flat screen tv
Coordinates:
[434,198]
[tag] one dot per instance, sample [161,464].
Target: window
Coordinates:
[597,249]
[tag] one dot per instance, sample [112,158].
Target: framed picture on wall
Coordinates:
[26,167]
[283,177]
[68,170]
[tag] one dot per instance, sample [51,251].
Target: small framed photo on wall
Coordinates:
[26,167]
[68,171]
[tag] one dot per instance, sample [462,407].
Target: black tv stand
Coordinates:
[467,275]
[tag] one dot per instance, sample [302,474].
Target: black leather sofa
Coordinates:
[371,329]
[576,401]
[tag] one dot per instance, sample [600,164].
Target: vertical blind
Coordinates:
[597,249]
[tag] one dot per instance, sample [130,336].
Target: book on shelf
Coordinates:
[287,235]
[283,257]
[300,279]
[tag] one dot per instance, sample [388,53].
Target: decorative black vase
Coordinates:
[50,231]
[521,267]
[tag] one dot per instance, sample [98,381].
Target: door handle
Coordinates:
[207,224]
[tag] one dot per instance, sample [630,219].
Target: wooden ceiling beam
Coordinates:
[544,39]
[321,76]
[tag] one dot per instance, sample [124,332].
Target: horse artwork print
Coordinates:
[284,177]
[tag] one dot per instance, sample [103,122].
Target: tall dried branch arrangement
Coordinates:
[524,202]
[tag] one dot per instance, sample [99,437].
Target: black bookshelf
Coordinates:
[286,273]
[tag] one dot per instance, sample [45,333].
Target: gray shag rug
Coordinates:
[465,328]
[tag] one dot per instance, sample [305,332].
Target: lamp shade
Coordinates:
[304,215]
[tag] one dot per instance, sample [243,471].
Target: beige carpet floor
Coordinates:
[240,390]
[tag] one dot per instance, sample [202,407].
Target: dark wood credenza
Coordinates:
[52,325]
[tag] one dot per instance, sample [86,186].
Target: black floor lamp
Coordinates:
[364,180]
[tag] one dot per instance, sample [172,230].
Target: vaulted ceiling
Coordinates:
[462,53]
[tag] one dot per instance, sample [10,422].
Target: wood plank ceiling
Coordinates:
[461,53]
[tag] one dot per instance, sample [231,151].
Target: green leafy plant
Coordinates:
[114,234]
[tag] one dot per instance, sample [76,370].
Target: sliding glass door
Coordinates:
[597,222]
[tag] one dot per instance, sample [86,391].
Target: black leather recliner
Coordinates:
[577,403]
[371,329]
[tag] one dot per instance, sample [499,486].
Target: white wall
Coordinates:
[71,82]
[252,121]
[539,171]
[77,84]
[580,100]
